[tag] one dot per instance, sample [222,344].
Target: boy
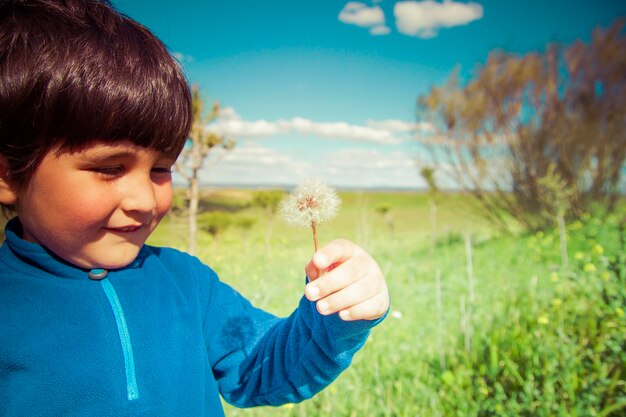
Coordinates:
[93,113]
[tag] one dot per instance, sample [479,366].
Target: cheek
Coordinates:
[86,213]
[164,196]
[77,209]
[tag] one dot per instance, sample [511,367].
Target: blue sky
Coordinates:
[328,89]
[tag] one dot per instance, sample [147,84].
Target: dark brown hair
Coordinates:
[72,71]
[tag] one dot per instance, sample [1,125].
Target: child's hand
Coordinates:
[345,279]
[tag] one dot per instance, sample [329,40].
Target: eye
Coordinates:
[162,170]
[109,172]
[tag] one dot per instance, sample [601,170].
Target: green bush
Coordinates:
[449,239]
[544,337]
[215,222]
[555,352]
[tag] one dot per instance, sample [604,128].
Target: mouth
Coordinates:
[125,229]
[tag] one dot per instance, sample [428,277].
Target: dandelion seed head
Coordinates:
[310,202]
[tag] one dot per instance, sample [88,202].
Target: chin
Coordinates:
[114,265]
[112,261]
[119,262]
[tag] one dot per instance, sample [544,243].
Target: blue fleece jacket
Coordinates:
[161,337]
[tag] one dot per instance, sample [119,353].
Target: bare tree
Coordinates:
[503,130]
[195,154]
[428,174]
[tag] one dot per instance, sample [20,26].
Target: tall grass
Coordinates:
[544,340]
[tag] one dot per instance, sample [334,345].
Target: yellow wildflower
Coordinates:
[578,256]
[576,225]
[556,303]
[619,312]
[543,319]
[598,250]
[589,268]
[554,277]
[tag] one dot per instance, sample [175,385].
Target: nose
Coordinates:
[139,198]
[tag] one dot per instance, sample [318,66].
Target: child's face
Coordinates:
[95,208]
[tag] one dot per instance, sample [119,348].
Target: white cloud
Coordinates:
[232,124]
[390,163]
[252,164]
[394,125]
[366,168]
[359,14]
[379,30]
[423,19]
[244,128]
[228,113]
[347,131]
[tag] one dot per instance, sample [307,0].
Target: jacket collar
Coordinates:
[34,259]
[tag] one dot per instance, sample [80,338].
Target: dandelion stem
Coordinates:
[314,227]
[310,204]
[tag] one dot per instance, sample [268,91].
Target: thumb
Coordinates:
[329,257]
[316,266]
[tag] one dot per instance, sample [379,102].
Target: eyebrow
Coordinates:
[107,154]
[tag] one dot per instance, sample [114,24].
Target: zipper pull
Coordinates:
[97,274]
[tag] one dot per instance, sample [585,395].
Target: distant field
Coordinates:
[402,245]
[401,242]
[481,323]
[451,281]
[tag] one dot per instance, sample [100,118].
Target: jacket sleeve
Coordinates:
[259,359]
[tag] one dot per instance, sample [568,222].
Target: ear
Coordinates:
[8,196]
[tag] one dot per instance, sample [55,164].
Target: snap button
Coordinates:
[97,274]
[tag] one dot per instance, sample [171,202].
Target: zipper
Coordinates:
[122,330]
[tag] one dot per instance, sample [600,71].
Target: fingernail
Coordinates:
[345,315]
[312,291]
[322,306]
[321,260]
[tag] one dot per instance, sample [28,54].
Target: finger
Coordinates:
[330,256]
[340,277]
[337,251]
[347,297]
[371,309]
[311,271]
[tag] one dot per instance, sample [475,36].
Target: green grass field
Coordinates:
[478,318]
